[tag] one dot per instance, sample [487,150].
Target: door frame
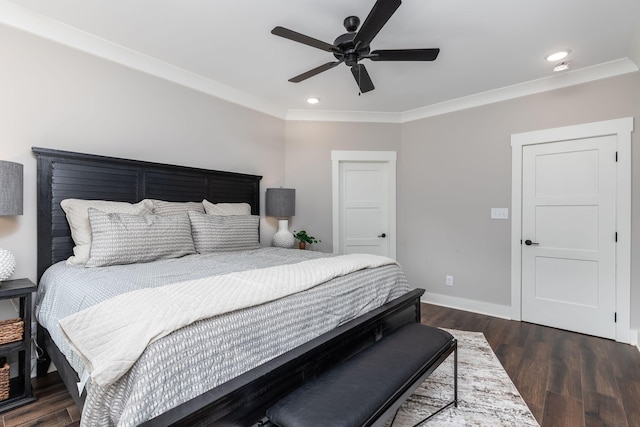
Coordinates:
[388,157]
[621,129]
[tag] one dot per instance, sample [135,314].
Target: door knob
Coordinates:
[529,243]
[383,235]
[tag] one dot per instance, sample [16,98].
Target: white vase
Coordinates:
[7,264]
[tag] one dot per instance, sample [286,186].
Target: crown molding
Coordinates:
[557,81]
[343,116]
[23,19]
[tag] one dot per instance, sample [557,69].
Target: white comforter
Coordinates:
[110,336]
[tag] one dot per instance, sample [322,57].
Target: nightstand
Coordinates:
[20,392]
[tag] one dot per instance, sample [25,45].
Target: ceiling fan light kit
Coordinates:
[352,47]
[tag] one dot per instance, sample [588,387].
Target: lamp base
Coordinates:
[8,264]
[283,238]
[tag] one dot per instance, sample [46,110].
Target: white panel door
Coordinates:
[568,233]
[364,207]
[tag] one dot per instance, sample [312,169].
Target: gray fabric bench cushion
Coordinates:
[355,390]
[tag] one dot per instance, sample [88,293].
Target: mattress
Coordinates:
[207,353]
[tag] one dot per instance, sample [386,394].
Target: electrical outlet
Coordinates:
[449,280]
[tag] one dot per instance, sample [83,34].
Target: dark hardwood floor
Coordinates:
[567,379]
[54,406]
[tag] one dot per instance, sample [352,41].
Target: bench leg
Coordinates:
[455,387]
[455,375]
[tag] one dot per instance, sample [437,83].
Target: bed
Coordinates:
[166,386]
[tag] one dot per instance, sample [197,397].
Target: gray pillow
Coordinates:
[77,214]
[161,207]
[216,233]
[126,239]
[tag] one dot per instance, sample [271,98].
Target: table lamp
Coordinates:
[281,203]
[11,193]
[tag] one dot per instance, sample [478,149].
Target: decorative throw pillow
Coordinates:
[216,233]
[77,214]
[225,209]
[127,239]
[161,207]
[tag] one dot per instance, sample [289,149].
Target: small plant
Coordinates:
[304,237]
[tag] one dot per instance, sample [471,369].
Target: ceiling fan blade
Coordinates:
[379,15]
[362,78]
[404,55]
[311,73]
[301,38]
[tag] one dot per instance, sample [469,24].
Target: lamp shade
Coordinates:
[11,192]
[280,202]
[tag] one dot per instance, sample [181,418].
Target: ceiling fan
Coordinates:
[353,46]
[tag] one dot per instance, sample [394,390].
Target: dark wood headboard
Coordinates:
[65,174]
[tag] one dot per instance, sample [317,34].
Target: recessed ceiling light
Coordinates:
[313,100]
[557,56]
[562,66]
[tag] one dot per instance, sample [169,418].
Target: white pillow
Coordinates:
[77,214]
[226,209]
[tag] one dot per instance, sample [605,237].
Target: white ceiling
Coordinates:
[227,46]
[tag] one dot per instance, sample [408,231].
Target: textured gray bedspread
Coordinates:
[196,358]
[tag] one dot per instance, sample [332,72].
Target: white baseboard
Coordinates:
[490,309]
[480,307]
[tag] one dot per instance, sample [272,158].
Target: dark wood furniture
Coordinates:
[243,400]
[20,392]
[63,175]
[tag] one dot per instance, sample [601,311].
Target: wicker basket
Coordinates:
[4,382]
[11,330]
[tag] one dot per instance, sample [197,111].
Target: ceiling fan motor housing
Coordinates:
[351,52]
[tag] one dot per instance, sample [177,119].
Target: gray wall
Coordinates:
[308,160]
[453,168]
[57,97]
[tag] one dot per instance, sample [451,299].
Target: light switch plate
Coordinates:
[499,213]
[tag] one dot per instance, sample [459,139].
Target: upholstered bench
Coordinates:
[368,388]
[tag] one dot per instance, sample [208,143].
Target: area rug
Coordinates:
[486,394]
